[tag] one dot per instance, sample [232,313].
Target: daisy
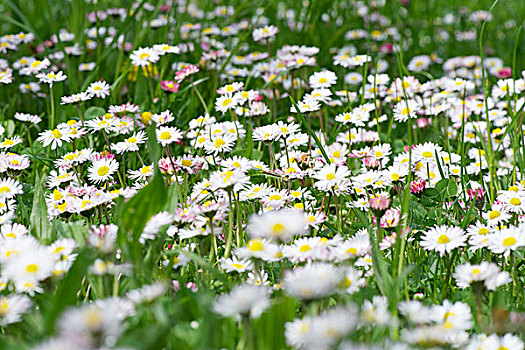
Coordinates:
[486,273]
[329,176]
[219,144]
[230,88]
[36,265]
[313,281]
[10,142]
[107,125]
[163,49]
[167,135]
[443,239]
[496,215]
[144,56]
[76,98]
[405,109]
[306,106]
[506,240]
[265,33]
[131,144]
[35,67]
[277,224]
[102,170]
[26,117]
[9,188]
[99,89]
[225,103]
[12,308]
[235,265]
[53,137]
[51,77]
[6,76]
[244,300]
[142,174]
[322,79]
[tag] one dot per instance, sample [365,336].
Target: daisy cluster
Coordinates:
[198,180]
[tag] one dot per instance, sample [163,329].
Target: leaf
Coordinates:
[39,222]
[441,186]
[173,199]
[452,189]
[68,288]
[94,112]
[153,146]
[140,208]
[430,198]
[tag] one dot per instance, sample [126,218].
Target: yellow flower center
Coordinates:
[255,245]
[443,239]
[32,268]
[304,248]
[219,142]
[165,135]
[515,201]
[494,214]
[56,134]
[103,170]
[509,241]
[278,229]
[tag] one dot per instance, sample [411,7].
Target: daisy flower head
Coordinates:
[169,86]
[497,215]
[26,117]
[225,102]
[486,273]
[51,77]
[167,135]
[99,89]
[76,98]
[305,106]
[163,49]
[9,188]
[265,33]
[405,109]
[12,308]
[323,79]
[280,225]
[443,239]
[220,144]
[506,240]
[313,281]
[144,57]
[230,88]
[243,301]
[102,170]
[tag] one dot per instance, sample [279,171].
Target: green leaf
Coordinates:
[173,199]
[133,216]
[94,112]
[39,223]
[430,198]
[153,146]
[452,189]
[68,288]
[441,186]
